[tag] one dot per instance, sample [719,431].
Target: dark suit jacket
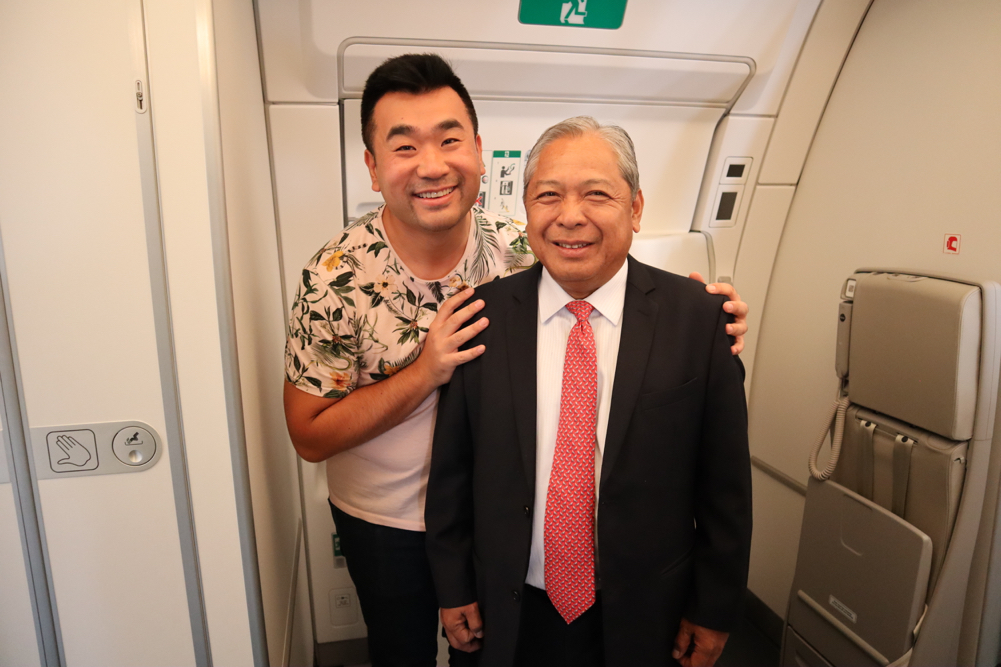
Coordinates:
[674,510]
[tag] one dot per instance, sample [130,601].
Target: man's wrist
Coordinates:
[421,376]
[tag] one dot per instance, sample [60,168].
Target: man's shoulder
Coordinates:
[509,238]
[667,285]
[360,242]
[502,287]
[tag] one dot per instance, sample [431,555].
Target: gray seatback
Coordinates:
[916,354]
[915,474]
[861,580]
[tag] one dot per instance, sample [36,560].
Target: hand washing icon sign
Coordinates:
[72,450]
[569,14]
[74,453]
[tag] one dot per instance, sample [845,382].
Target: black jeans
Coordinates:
[545,639]
[391,573]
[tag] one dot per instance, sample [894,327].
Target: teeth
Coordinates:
[434,195]
[574,245]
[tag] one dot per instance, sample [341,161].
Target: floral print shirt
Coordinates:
[360,315]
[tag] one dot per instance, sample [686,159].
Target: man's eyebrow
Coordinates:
[405,130]
[585,184]
[449,124]
[410,130]
[596,181]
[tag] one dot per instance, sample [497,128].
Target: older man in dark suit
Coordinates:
[589,495]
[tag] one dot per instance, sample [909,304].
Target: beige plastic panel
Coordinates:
[925,375]
[301,40]
[905,154]
[861,578]
[185,103]
[327,572]
[260,322]
[18,643]
[71,205]
[753,270]
[677,253]
[819,63]
[742,138]
[893,170]
[306,150]
[778,517]
[547,75]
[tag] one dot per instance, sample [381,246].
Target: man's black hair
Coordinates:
[414,73]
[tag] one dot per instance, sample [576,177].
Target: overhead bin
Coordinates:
[512,71]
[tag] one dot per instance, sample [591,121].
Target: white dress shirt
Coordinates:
[555,322]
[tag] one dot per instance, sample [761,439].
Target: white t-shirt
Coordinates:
[359,316]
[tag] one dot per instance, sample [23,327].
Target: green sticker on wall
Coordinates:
[607,14]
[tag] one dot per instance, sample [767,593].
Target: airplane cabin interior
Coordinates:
[168,167]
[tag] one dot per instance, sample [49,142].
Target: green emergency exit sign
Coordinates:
[606,14]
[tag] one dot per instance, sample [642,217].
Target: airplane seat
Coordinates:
[879,519]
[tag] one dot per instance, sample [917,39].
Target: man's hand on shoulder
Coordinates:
[463,627]
[441,353]
[734,306]
[696,646]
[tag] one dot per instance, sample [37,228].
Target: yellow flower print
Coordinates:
[334,260]
[341,381]
[457,283]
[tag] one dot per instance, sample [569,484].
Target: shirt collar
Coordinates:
[607,299]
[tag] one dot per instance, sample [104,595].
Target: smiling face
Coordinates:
[581,215]
[426,160]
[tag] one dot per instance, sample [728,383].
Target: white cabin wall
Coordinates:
[824,51]
[19,644]
[184,99]
[84,310]
[260,324]
[906,153]
[777,506]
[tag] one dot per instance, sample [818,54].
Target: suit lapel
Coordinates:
[639,314]
[522,344]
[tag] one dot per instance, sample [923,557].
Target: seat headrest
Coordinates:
[915,350]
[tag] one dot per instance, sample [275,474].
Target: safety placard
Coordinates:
[505,170]
[607,14]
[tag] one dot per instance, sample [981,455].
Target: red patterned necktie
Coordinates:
[569,528]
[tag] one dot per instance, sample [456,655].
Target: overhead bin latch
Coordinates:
[141,103]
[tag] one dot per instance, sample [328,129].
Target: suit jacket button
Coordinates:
[528,511]
[516,596]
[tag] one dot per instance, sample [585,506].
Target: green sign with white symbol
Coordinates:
[606,14]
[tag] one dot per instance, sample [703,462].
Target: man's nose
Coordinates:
[571,212]
[432,164]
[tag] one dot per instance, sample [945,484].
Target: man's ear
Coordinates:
[370,163]
[479,153]
[637,212]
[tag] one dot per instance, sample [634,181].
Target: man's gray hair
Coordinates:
[578,126]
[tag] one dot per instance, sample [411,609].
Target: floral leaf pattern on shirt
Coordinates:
[359,316]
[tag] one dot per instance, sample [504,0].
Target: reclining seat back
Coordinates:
[876,536]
